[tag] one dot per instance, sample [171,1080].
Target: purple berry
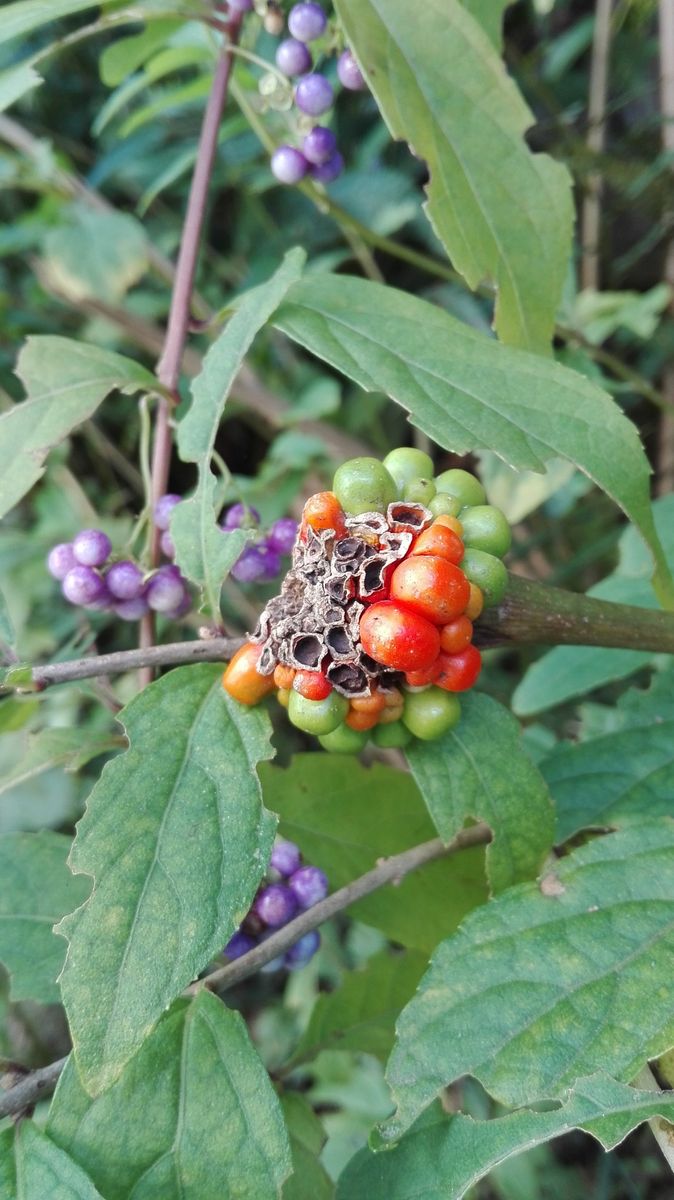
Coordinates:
[314,95]
[132,610]
[241,6]
[84,586]
[350,74]
[271,561]
[288,165]
[91,547]
[276,905]
[241,516]
[308,885]
[307,22]
[303,950]
[239,944]
[163,509]
[257,564]
[328,171]
[61,560]
[285,857]
[167,545]
[319,145]
[165,589]
[180,610]
[293,57]
[124,580]
[282,535]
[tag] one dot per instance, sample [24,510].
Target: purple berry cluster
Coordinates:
[290,888]
[261,561]
[318,155]
[88,579]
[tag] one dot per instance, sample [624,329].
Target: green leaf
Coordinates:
[65,382]
[346,816]
[488,14]
[204,553]
[547,983]
[309,1180]
[126,54]
[15,82]
[501,212]
[7,1171]
[445,1156]
[481,770]
[7,633]
[361,1013]
[37,889]
[42,1170]
[26,15]
[470,393]
[627,775]
[70,748]
[569,671]
[193,1116]
[177,840]
[95,255]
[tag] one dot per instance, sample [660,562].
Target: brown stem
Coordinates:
[591,215]
[31,1089]
[174,654]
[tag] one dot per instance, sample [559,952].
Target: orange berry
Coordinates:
[397,637]
[241,679]
[475,604]
[452,523]
[458,672]
[361,720]
[374,703]
[440,540]
[323,511]
[455,636]
[312,685]
[389,715]
[432,587]
[283,676]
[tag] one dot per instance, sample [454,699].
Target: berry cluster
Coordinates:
[372,632]
[317,154]
[289,889]
[261,561]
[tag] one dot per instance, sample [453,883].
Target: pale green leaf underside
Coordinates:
[37,889]
[462,776]
[41,1170]
[501,212]
[346,816]
[541,986]
[203,551]
[448,1155]
[26,15]
[177,839]
[15,82]
[95,255]
[65,382]
[468,392]
[193,1116]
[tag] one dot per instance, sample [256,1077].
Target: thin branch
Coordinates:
[591,214]
[665,479]
[174,654]
[389,870]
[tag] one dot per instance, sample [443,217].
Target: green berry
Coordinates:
[344,740]
[391,736]
[488,572]
[317,716]
[431,713]
[419,491]
[463,485]
[443,504]
[405,464]
[364,485]
[485,528]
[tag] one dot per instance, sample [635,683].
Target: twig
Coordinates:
[665,479]
[591,214]
[391,870]
[174,654]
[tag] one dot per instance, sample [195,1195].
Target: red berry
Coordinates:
[312,685]
[458,672]
[441,541]
[417,679]
[323,511]
[397,637]
[361,721]
[241,679]
[455,636]
[431,586]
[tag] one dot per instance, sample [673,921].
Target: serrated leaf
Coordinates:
[346,816]
[65,382]
[216,1126]
[360,1014]
[37,889]
[626,775]
[569,671]
[309,1180]
[501,212]
[54,748]
[480,770]
[470,393]
[41,1170]
[95,255]
[547,983]
[445,1156]
[177,840]
[204,553]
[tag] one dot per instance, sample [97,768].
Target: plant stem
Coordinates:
[591,214]
[173,654]
[31,1089]
[537,614]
